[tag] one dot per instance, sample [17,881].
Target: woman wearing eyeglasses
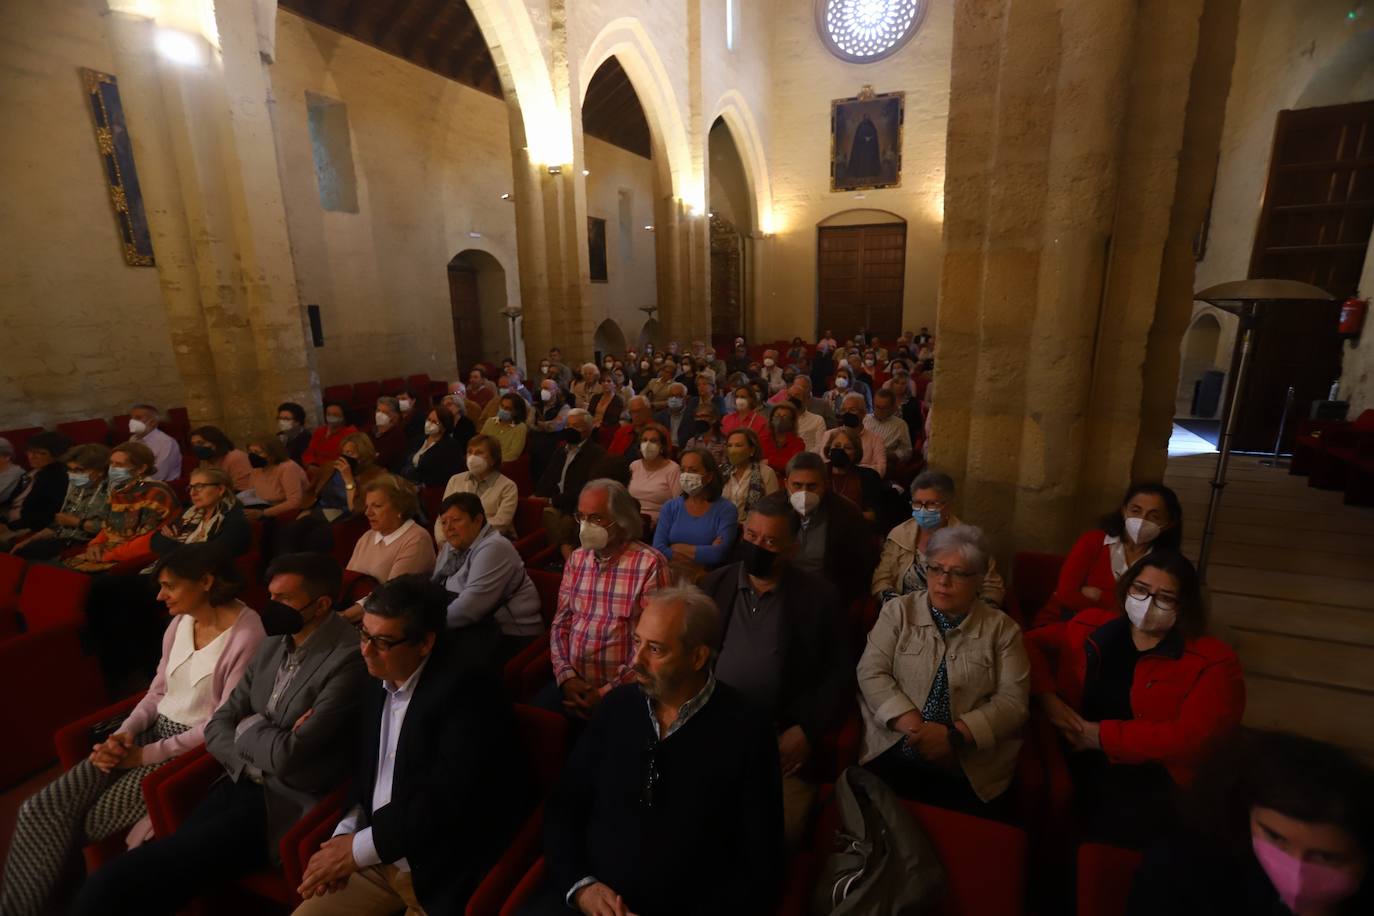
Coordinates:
[945,686]
[1137,698]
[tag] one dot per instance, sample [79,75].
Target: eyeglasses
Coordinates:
[601,521]
[1162,600]
[935,505]
[651,774]
[940,572]
[380,643]
[197,487]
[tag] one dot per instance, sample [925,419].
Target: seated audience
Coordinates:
[814,415]
[1150,518]
[139,505]
[772,372]
[706,394]
[749,478]
[841,387]
[389,434]
[851,416]
[606,408]
[327,440]
[11,475]
[879,503]
[834,539]
[889,427]
[784,647]
[558,368]
[714,815]
[658,389]
[484,575]
[696,531]
[484,478]
[945,686]
[463,427]
[508,427]
[1138,698]
[480,390]
[706,435]
[291,431]
[606,583]
[675,417]
[338,494]
[214,515]
[41,492]
[587,386]
[746,414]
[547,421]
[205,648]
[439,456]
[395,545]
[1276,824]
[901,567]
[143,427]
[654,476]
[83,509]
[780,441]
[412,418]
[625,442]
[278,485]
[213,447]
[577,460]
[427,816]
[282,736]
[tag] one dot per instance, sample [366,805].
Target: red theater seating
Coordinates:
[11,574]
[341,393]
[85,432]
[393,386]
[1105,874]
[365,394]
[519,473]
[1336,452]
[1034,577]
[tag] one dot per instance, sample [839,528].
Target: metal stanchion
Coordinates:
[1276,462]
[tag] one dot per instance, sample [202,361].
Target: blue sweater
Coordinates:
[678,526]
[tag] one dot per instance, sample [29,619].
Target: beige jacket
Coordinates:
[989,684]
[899,552]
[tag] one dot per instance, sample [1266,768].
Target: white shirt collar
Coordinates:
[1111,539]
[406,690]
[389,539]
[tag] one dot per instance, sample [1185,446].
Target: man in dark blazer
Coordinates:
[438,768]
[282,737]
[835,541]
[784,646]
[577,460]
[677,419]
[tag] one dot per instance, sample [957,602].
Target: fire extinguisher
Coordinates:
[1352,316]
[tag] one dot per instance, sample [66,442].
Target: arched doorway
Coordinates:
[1199,357]
[652,332]
[732,227]
[477,297]
[609,339]
[861,273]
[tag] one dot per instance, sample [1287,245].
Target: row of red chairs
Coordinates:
[365,394]
[1337,455]
[176,423]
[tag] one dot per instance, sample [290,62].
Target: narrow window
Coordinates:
[333,153]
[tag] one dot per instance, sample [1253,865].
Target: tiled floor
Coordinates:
[1292,588]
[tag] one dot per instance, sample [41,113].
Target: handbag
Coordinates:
[883,861]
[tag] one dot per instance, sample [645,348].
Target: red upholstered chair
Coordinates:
[73,742]
[1105,874]
[178,426]
[356,587]
[1033,580]
[52,610]
[346,533]
[964,844]
[519,472]
[422,385]
[119,429]
[365,394]
[393,386]
[524,892]
[19,438]
[1308,441]
[341,393]
[84,432]
[11,574]
[437,389]
[545,737]
[1336,452]
[530,669]
[529,515]
[430,500]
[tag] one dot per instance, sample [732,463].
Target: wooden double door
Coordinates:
[861,276]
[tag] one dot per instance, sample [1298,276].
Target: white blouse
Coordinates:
[190,675]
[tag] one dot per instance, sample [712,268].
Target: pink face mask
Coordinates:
[1303,886]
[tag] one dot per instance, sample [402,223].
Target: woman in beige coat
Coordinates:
[945,686]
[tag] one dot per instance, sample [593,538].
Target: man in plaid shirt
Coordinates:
[606,584]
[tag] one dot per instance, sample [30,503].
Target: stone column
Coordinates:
[1062,187]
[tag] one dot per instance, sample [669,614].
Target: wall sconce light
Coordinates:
[505,196]
[649,228]
[555,170]
[586,172]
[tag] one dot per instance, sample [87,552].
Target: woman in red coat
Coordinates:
[1138,698]
[1150,518]
[781,441]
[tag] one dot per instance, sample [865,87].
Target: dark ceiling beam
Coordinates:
[387,26]
[421,28]
[445,30]
[352,16]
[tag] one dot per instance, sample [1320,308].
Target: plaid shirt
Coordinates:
[598,606]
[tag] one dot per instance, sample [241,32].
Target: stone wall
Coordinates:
[630,255]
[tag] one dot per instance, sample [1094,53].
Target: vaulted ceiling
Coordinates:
[612,111]
[438,35]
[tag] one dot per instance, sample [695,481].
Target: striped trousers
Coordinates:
[83,805]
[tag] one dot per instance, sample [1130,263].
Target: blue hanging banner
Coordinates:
[117,156]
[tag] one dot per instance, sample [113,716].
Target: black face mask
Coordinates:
[701,427]
[759,562]
[257,460]
[572,436]
[839,458]
[203,452]
[280,619]
[851,420]
[352,463]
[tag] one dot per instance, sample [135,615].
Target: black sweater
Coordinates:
[712,841]
[45,499]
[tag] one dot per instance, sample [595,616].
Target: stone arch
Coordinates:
[1205,346]
[524,70]
[734,110]
[1201,340]
[609,338]
[477,298]
[651,332]
[858,216]
[627,41]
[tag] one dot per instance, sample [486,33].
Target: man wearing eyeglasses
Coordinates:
[671,802]
[282,737]
[436,752]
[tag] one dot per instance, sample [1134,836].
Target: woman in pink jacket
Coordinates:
[207,646]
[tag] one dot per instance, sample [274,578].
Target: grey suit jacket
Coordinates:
[299,766]
[822,408]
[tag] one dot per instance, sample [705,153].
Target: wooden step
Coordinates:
[1314,661]
[1342,717]
[1298,558]
[1270,615]
[1305,589]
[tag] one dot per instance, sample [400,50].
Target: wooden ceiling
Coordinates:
[438,35]
[612,111]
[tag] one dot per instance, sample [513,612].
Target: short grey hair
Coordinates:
[578,413]
[965,540]
[643,402]
[592,366]
[389,401]
[623,507]
[934,480]
[700,616]
[677,385]
[853,396]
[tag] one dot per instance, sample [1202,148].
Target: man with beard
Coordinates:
[671,802]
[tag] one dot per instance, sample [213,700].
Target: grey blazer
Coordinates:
[299,766]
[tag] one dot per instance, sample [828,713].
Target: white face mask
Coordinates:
[805,501]
[477,465]
[137,427]
[1141,530]
[841,382]
[1148,618]
[769,362]
[691,483]
[593,537]
[741,404]
[546,394]
[432,428]
[286,425]
[650,449]
[406,403]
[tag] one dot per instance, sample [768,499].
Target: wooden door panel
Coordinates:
[860,278]
[467,318]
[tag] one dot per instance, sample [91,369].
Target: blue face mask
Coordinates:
[929,519]
[78,480]
[120,475]
[675,403]
[503,415]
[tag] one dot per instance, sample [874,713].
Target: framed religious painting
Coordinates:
[866,141]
